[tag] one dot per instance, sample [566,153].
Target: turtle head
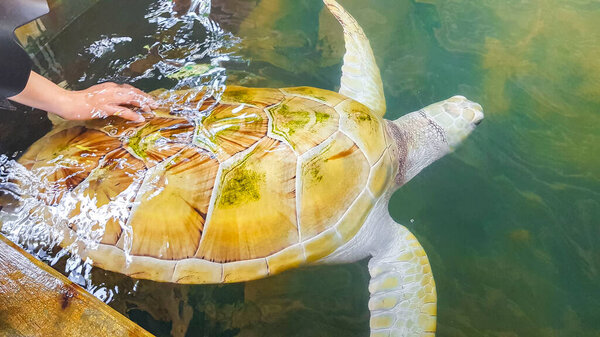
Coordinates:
[424,136]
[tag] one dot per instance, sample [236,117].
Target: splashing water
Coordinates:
[31,217]
[212,81]
[42,216]
[175,53]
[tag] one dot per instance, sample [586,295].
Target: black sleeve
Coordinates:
[15,65]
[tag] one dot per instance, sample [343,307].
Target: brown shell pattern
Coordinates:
[269,179]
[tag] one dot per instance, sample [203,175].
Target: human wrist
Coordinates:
[61,103]
[40,93]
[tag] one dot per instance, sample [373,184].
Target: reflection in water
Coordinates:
[177,52]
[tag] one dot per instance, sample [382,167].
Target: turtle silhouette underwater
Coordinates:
[266,181]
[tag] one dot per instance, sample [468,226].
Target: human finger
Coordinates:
[147,99]
[146,108]
[125,113]
[133,96]
[126,96]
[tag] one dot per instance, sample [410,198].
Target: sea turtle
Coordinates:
[267,180]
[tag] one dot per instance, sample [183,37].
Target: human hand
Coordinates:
[99,101]
[103,100]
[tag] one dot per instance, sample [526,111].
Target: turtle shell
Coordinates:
[267,180]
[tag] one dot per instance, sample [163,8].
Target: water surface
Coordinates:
[509,221]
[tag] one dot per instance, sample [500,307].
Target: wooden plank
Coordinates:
[36,300]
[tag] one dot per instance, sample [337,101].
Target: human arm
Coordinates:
[102,100]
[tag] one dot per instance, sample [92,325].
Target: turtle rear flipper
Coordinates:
[9,197]
[403,295]
[10,193]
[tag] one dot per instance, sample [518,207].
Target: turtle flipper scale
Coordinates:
[361,79]
[403,295]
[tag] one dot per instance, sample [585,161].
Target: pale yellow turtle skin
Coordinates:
[268,180]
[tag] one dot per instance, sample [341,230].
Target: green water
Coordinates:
[510,221]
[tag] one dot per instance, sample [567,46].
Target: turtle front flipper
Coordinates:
[403,297]
[361,79]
